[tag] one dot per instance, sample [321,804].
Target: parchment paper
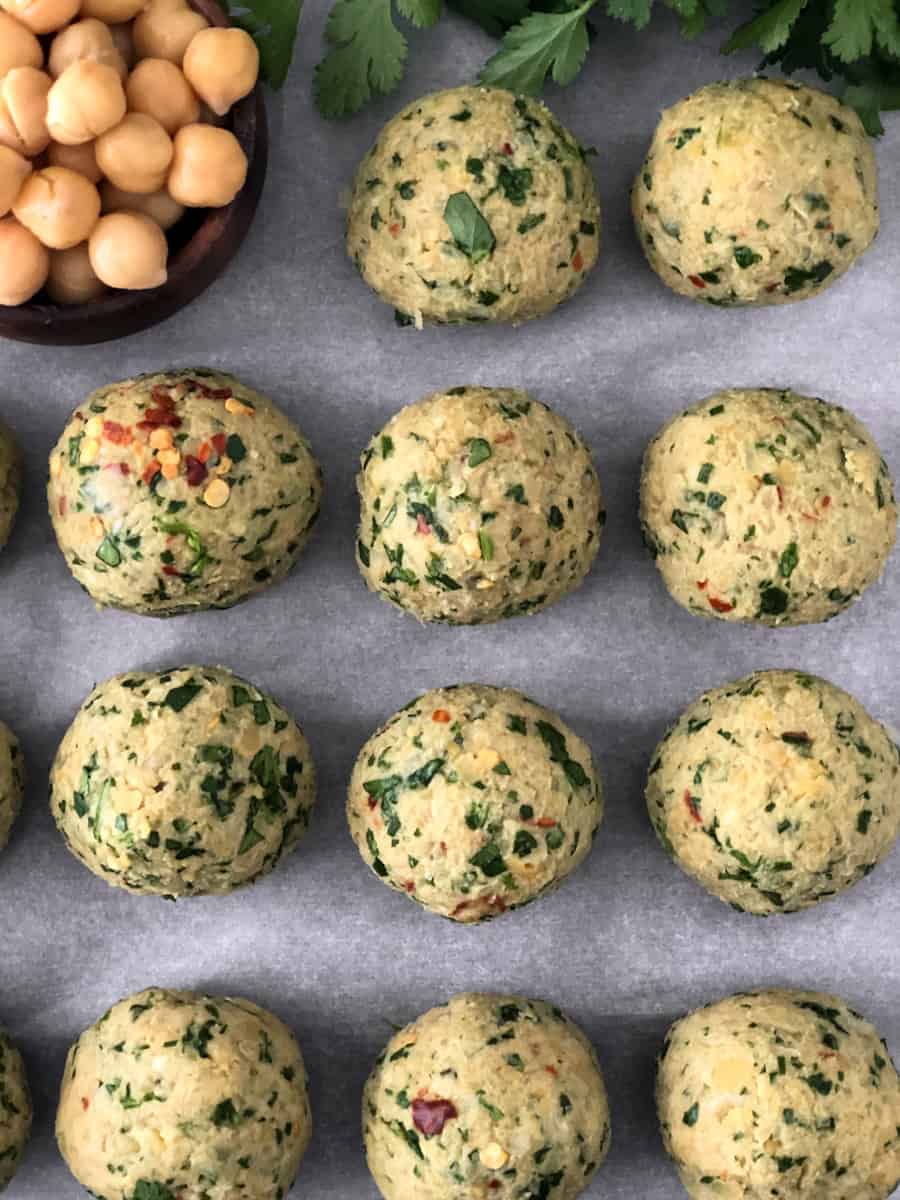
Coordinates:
[629,943]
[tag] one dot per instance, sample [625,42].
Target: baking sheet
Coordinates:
[629,943]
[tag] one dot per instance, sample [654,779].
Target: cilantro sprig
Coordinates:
[856,42]
[273,25]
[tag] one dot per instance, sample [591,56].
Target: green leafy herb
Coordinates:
[273,25]
[471,232]
[180,697]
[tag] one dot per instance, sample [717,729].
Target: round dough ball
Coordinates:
[136,155]
[223,67]
[487,1095]
[24,263]
[86,100]
[128,250]
[10,482]
[767,506]
[178,783]
[209,167]
[72,279]
[776,791]
[15,1107]
[165,30]
[18,45]
[159,89]
[181,1094]
[89,38]
[474,800]
[59,206]
[756,191]
[199,492]
[158,206]
[474,205]
[780,1093]
[14,170]
[477,504]
[24,93]
[12,790]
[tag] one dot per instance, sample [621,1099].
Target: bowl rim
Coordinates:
[192,267]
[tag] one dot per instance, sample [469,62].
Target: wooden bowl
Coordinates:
[201,246]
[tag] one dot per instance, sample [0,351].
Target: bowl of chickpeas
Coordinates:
[133,152]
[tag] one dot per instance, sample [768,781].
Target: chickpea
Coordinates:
[18,45]
[129,251]
[113,12]
[85,39]
[24,263]
[136,155]
[158,206]
[59,206]
[209,167]
[223,66]
[124,43]
[77,158]
[14,170]
[86,100]
[165,29]
[72,279]
[42,16]
[158,88]
[23,111]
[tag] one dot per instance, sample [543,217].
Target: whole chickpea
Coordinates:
[136,155]
[158,88]
[85,39]
[209,167]
[77,158]
[23,111]
[18,45]
[72,279]
[86,100]
[14,170]
[59,206]
[223,66]
[158,206]
[165,29]
[129,251]
[124,43]
[42,16]
[113,12]
[24,263]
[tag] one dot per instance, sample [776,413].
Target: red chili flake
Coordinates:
[507,149]
[85,1103]
[772,287]
[218,440]
[721,606]
[63,505]
[430,1116]
[207,392]
[168,569]
[780,492]
[195,470]
[410,886]
[826,501]
[697,282]
[156,418]
[503,438]
[150,472]
[114,432]
[441,716]
[551,1070]
[373,802]
[578,262]
[701,584]
[422,526]
[545,823]
[692,807]
[394,229]
[443,846]
[494,1184]
[122,467]
[160,396]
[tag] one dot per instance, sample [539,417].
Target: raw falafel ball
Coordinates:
[477,504]
[12,785]
[10,482]
[486,1095]
[762,505]
[776,791]
[473,800]
[474,205]
[780,1093]
[756,191]
[180,491]
[182,783]
[15,1110]
[180,1094]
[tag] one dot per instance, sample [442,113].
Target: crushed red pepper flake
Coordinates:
[692,806]
[721,606]
[697,282]
[195,470]
[119,434]
[219,442]
[430,1116]
[578,261]
[441,716]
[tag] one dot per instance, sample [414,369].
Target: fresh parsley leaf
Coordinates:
[544,43]
[470,230]
[273,25]
[422,13]
[859,24]
[494,16]
[367,54]
[770,30]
